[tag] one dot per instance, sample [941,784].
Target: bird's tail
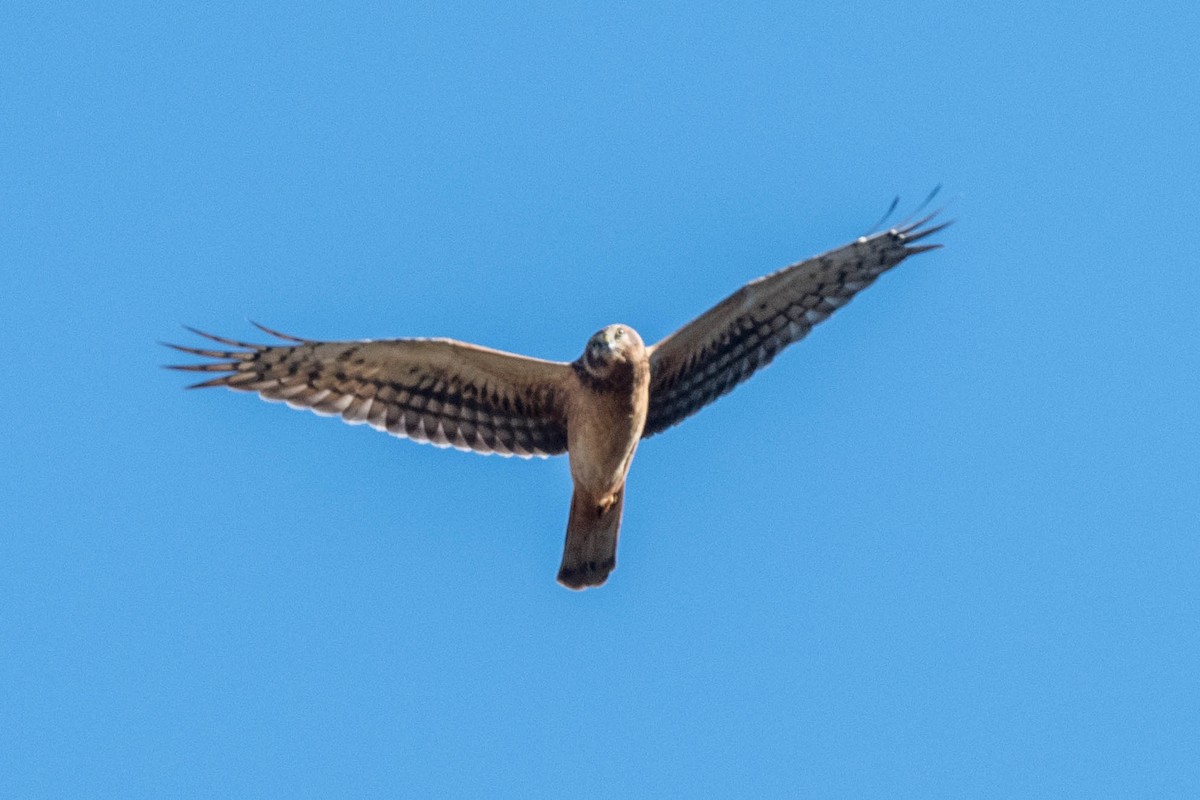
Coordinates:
[590,552]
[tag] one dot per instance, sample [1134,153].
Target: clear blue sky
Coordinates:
[948,546]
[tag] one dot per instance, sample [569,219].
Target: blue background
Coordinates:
[945,547]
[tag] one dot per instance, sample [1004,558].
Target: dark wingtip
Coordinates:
[923,248]
[208,366]
[883,219]
[220,381]
[905,223]
[913,233]
[212,366]
[908,232]
[222,339]
[284,336]
[200,351]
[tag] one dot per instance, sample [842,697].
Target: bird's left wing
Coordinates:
[726,345]
[446,393]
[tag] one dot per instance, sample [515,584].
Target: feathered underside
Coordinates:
[723,347]
[439,391]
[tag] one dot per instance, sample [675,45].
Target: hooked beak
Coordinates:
[604,345]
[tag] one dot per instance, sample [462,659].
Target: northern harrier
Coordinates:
[596,408]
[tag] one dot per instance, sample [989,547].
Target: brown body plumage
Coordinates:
[597,408]
[606,415]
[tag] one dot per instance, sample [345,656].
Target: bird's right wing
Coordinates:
[446,393]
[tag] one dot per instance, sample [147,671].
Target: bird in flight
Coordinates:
[596,408]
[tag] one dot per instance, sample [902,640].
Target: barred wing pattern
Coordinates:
[439,391]
[718,350]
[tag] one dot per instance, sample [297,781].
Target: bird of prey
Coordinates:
[596,408]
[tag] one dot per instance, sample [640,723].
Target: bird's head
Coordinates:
[608,347]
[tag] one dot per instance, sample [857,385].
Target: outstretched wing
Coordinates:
[446,393]
[718,350]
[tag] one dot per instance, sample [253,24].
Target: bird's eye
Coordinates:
[618,333]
